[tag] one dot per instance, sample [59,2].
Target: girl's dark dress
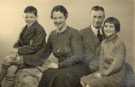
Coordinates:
[67,47]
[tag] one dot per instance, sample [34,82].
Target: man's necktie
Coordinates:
[99,36]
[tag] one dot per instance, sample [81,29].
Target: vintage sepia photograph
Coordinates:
[67,43]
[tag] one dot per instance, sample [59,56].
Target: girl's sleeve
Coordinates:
[119,53]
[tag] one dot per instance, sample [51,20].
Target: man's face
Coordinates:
[97,18]
[30,18]
[59,19]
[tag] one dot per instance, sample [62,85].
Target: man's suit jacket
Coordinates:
[90,46]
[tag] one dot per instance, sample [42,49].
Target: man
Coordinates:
[29,49]
[92,36]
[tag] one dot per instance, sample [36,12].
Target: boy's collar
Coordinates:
[28,26]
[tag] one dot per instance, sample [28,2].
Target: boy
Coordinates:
[29,49]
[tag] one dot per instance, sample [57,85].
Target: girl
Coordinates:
[112,59]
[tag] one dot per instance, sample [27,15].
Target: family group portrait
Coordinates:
[67,43]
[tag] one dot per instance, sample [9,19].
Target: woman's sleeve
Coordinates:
[76,47]
[48,48]
[118,55]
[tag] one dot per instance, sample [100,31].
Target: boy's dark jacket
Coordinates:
[31,44]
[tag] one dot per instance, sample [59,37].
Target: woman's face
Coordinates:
[59,19]
[109,29]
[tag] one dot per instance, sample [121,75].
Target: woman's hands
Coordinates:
[105,73]
[53,65]
[102,74]
[98,75]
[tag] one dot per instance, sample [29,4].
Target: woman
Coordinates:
[112,59]
[65,44]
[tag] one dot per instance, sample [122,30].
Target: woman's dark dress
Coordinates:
[67,47]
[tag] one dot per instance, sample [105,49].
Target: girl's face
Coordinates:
[109,29]
[59,19]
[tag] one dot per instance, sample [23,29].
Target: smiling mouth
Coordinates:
[107,32]
[57,23]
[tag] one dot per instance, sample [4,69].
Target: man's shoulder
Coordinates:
[86,30]
[73,30]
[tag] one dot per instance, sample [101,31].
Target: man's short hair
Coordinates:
[97,8]
[31,9]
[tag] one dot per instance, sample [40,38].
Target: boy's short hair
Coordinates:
[31,9]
